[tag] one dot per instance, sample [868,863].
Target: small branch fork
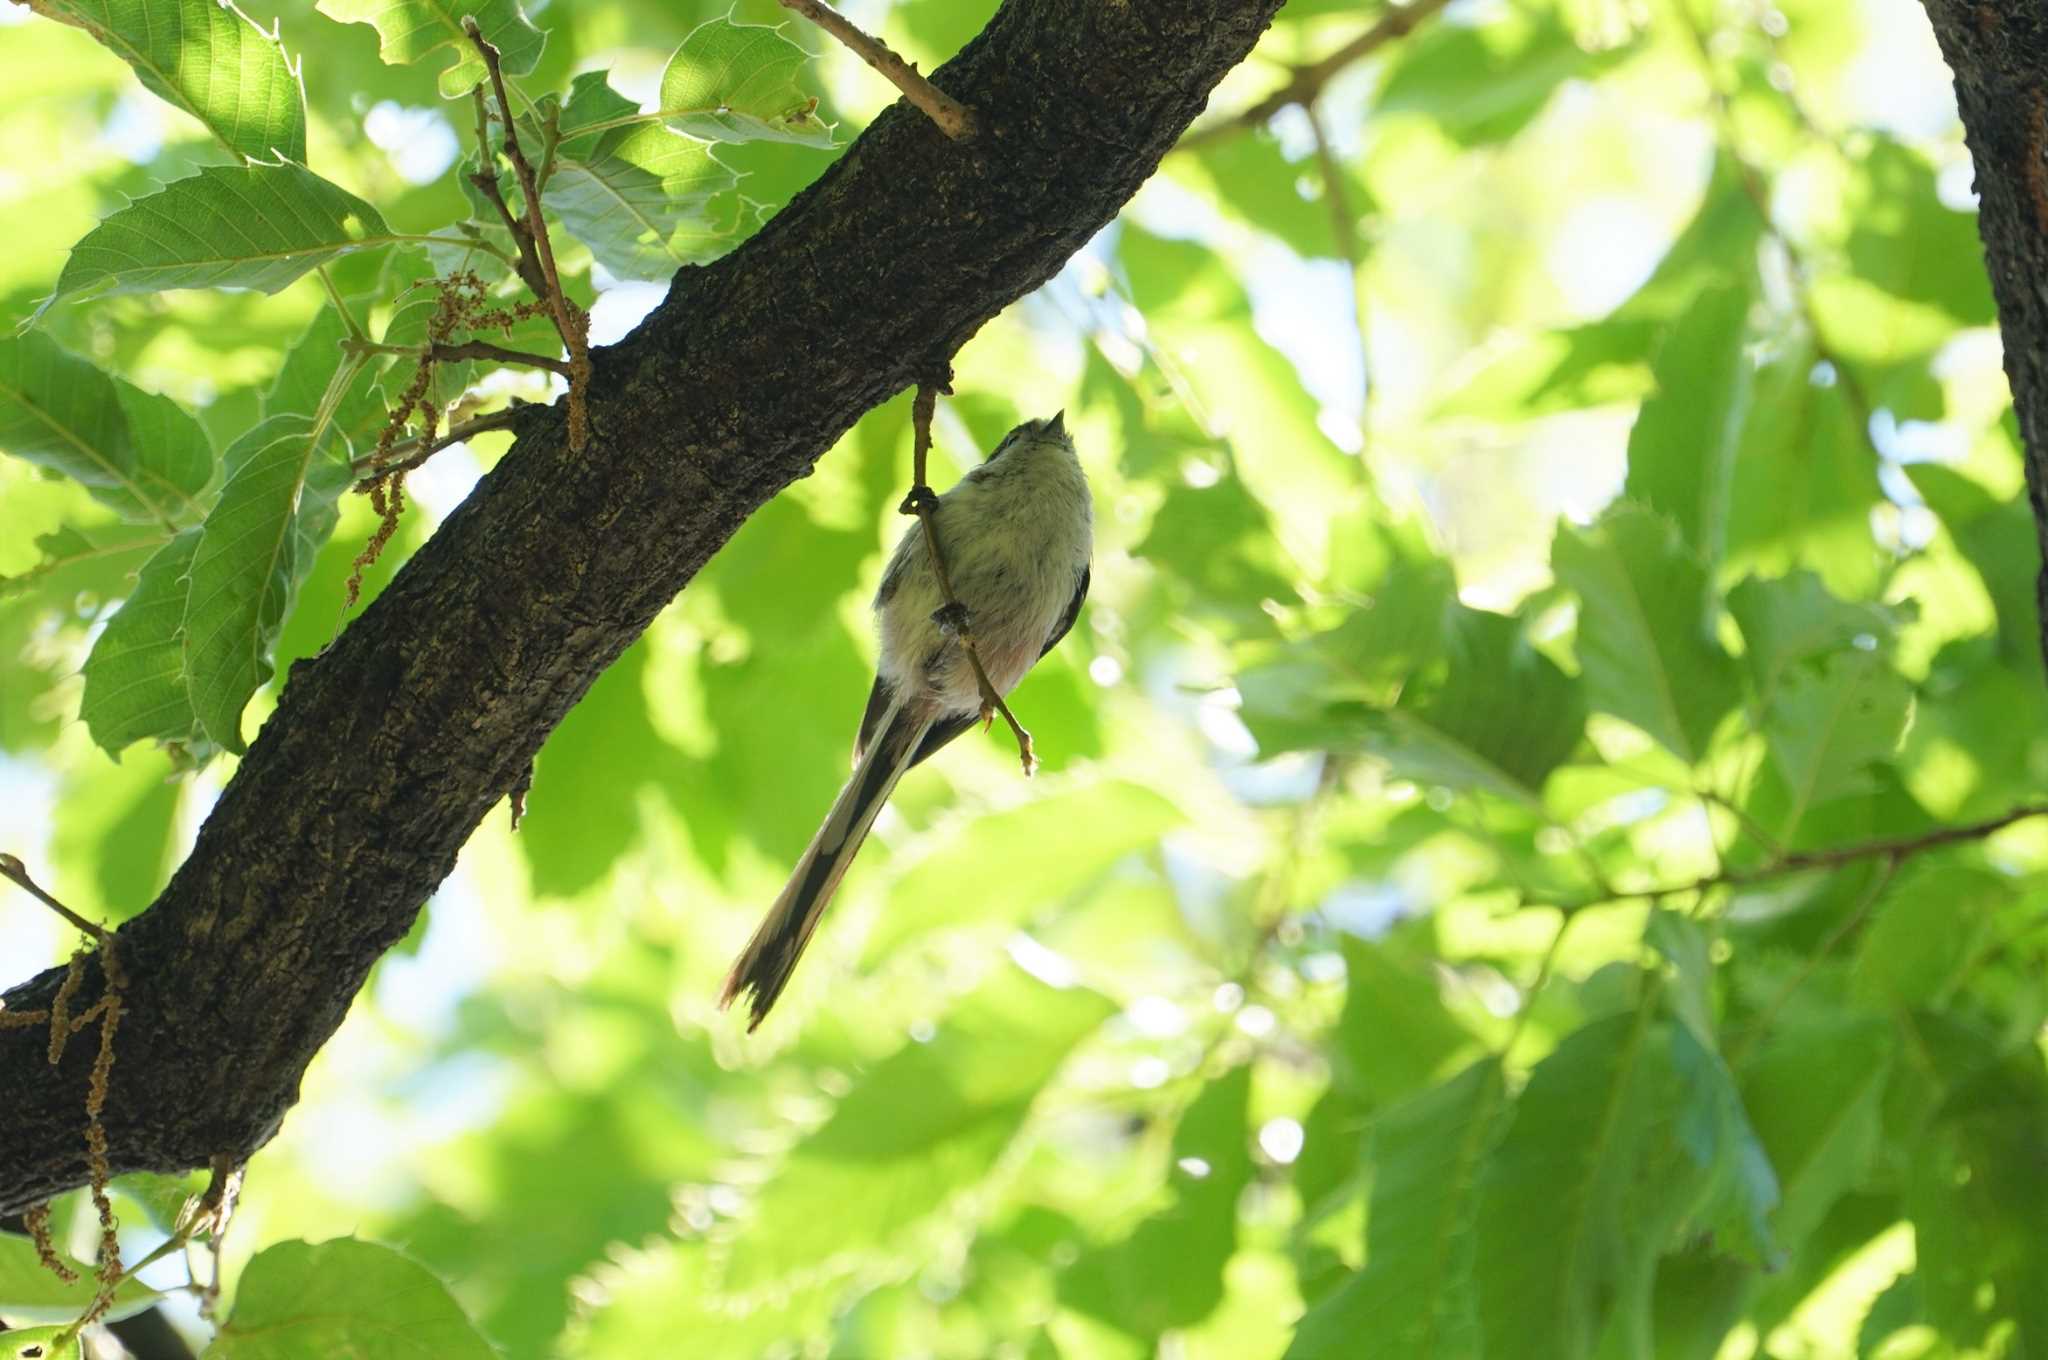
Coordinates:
[1307,81]
[1893,852]
[953,118]
[536,252]
[954,616]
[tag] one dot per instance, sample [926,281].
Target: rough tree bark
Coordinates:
[1998,52]
[386,752]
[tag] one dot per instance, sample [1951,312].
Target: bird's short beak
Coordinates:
[1058,424]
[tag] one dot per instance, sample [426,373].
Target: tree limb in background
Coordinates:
[386,751]
[1998,51]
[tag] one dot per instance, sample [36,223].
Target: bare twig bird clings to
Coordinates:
[1014,537]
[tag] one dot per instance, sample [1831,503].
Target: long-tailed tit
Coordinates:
[1016,534]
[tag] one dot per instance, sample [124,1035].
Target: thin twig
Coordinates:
[468,349]
[486,182]
[570,322]
[419,450]
[12,869]
[923,503]
[1307,81]
[1800,861]
[953,118]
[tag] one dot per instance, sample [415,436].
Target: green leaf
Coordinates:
[344,1297]
[1828,726]
[1645,636]
[310,365]
[1416,1295]
[1936,921]
[40,1343]
[1394,1035]
[137,453]
[1628,1140]
[208,59]
[923,1125]
[1791,621]
[135,685]
[258,542]
[645,200]
[251,226]
[1815,1091]
[1805,480]
[1169,1272]
[30,1293]
[1485,83]
[1908,242]
[1503,719]
[733,82]
[409,30]
[1681,453]
[71,545]
[1095,826]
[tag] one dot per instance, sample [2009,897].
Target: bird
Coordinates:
[1016,534]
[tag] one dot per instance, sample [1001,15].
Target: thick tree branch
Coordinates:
[388,750]
[1998,50]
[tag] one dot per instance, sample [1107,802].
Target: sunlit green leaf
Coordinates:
[138,453]
[29,1292]
[1828,725]
[645,200]
[207,59]
[1645,633]
[1416,1292]
[256,226]
[1485,82]
[135,681]
[733,82]
[258,542]
[343,1297]
[918,1128]
[412,30]
[1681,454]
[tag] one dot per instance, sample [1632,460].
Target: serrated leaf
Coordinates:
[1416,1295]
[1815,1092]
[645,200]
[1788,622]
[1828,726]
[1681,451]
[409,30]
[135,686]
[1628,1140]
[1644,630]
[310,365]
[136,452]
[344,1297]
[208,59]
[30,1293]
[73,545]
[921,1126]
[276,509]
[248,226]
[733,82]
[1504,717]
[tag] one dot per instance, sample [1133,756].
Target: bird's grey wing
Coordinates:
[946,729]
[1073,612]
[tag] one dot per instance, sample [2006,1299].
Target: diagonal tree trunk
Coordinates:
[386,752]
[1998,50]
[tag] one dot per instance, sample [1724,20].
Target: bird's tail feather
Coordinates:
[763,968]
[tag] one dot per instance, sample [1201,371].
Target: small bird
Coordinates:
[1016,534]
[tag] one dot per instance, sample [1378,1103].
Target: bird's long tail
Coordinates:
[763,968]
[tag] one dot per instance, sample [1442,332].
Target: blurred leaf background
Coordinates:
[1568,464]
